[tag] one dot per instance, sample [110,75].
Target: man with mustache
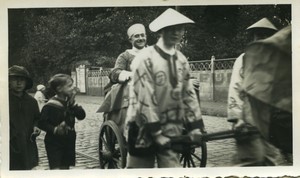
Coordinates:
[137,37]
[116,101]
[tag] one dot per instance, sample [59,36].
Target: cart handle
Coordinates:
[243,132]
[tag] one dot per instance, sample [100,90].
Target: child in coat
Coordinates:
[58,120]
[23,117]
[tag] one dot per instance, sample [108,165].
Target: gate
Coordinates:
[96,81]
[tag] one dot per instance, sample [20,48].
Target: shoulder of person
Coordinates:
[38,93]
[29,97]
[241,56]
[239,60]
[124,54]
[142,56]
[181,57]
[30,100]
[54,103]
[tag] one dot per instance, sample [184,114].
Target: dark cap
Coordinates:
[20,71]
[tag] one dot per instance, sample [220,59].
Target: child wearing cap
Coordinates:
[23,117]
[40,96]
[162,100]
[58,120]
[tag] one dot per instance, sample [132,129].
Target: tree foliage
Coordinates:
[55,40]
[220,30]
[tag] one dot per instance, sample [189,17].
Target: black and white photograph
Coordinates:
[114,89]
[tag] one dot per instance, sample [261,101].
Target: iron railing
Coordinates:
[206,65]
[98,72]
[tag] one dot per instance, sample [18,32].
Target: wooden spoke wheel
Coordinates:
[112,151]
[194,156]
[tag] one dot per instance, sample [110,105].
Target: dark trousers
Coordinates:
[61,152]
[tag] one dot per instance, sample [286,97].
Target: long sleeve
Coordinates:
[45,121]
[78,112]
[235,93]
[144,100]
[193,116]
[121,64]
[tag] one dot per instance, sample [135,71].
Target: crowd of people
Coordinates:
[151,98]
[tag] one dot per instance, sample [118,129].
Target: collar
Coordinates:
[64,101]
[164,54]
[171,60]
[55,102]
[25,95]
[134,51]
[160,44]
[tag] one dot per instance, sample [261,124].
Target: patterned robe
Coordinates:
[260,93]
[161,94]
[235,92]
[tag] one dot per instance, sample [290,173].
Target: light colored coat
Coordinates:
[154,103]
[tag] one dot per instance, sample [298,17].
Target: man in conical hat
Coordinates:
[261,29]
[162,98]
[256,151]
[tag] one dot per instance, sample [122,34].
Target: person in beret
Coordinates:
[116,101]
[162,99]
[23,117]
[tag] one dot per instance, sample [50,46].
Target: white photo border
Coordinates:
[178,172]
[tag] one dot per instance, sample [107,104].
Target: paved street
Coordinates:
[220,153]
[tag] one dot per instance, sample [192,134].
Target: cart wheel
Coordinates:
[190,158]
[112,152]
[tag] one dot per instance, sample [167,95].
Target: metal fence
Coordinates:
[208,72]
[218,64]
[214,77]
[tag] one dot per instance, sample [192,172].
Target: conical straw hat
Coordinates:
[263,23]
[168,18]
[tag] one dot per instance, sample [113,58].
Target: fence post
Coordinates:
[87,81]
[212,70]
[101,81]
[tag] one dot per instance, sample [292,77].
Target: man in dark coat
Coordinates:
[23,116]
[117,101]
